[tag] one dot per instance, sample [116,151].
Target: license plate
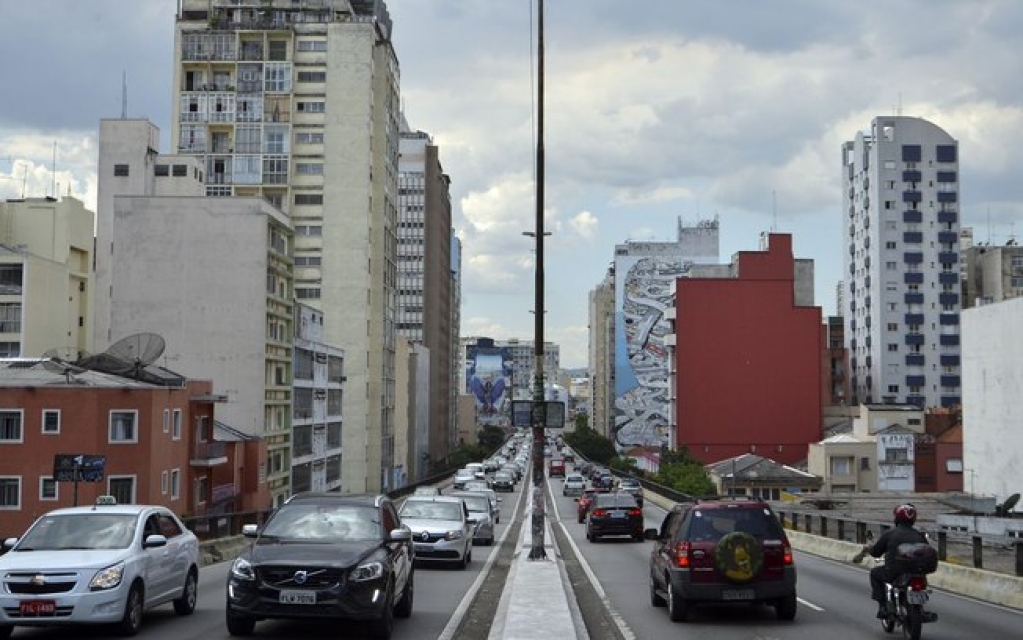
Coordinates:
[298,597]
[37,607]
[916,597]
[737,594]
[617,514]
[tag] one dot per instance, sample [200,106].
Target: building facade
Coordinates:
[495,372]
[900,226]
[993,274]
[297,103]
[602,355]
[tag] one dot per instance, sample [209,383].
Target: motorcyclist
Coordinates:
[887,545]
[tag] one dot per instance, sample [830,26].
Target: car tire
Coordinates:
[678,608]
[185,605]
[655,598]
[131,621]
[239,625]
[383,627]
[404,607]
[785,607]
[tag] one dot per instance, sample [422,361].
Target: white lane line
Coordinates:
[809,604]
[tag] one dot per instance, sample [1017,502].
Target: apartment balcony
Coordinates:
[916,381]
[913,277]
[948,217]
[911,216]
[914,297]
[946,176]
[948,339]
[948,237]
[913,237]
[913,257]
[951,401]
[209,454]
[914,318]
[950,381]
[948,257]
[950,360]
[915,360]
[949,277]
[911,176]
[946,197]
[914,339]
[948,298]
[949,319]
[917,400]
[912,195]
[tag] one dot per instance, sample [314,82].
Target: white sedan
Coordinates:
[574,485]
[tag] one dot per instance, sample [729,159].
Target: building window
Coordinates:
[841,466]
[312,107]
[122,426]
[308,138]
[954,465]
[10,349]
[122,488]
[309,168]
[121,170]
[10,317]
[166,420]
[51,421]
[10,426]
[896,455]
[161,171]
[864,464]
[312,76]
[180,171]
[164,483]
[176,433]
[892,347]
[309,198]
[307,293]
[175,484]
[47,489]
[201,490]
[312,45]
[10,493]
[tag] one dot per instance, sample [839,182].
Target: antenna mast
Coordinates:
[53,171]
[124,95]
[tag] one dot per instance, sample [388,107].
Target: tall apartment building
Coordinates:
[425,278]
[297,102]
[46,286]
[602,355]
[902,263]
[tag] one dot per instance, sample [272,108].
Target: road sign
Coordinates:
[78,467]
[527,413]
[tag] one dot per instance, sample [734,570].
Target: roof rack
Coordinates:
[730,498]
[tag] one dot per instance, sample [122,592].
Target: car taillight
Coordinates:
[681,556]
[787,556]
[635,512]
[918,583]
[600,512]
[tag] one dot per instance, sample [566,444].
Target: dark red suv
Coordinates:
[721,551]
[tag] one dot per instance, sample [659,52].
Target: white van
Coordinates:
[478,470]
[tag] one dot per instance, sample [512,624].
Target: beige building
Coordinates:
[46,248]
[602,355]
[993,274]
[297,103]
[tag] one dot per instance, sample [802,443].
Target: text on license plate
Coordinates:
[737,594]
[37,607]
[617,514]
[916,597]
[298,597]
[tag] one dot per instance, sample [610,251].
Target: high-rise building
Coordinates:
[602,355]
[297,102]
[425,278]
[902,263]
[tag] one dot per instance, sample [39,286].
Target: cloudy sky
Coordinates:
[655,112]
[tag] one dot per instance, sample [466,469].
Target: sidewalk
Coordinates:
[537,602]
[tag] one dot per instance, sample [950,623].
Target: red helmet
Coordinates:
[905,513]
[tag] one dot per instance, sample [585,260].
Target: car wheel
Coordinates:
[785,607]
[185,605]
[131,621]
[404,607]
[239,625]
[655,598]
[678,608]
[383,627]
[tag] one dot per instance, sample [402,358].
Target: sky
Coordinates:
[654,113]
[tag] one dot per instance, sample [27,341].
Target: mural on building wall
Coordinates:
[488,371]
[642,413]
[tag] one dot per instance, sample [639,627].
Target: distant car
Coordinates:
[574,485]
[102,564]
[632,487]
[603,479]
[585,500]
[721,551]
[481,513]
[614,514]
[495,503]
[503,481]
[324,556]
[426,491]
[556,467]
[462,476]
[441,528]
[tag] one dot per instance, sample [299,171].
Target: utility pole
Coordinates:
[539,416]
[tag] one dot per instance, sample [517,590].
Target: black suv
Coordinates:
[721,550]
[324,556]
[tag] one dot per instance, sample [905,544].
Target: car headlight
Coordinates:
[368,571]
[241,569]
[107,578]
[453,535]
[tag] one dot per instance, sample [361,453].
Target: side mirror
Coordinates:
[403,534]
[249,530]
[9,543]
[154,540]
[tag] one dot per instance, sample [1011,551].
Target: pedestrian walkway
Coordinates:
[537,602]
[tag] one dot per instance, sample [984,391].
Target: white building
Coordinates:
[902,263]
[298,103]
[992,376]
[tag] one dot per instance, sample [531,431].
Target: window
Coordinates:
[911,153]
[121,170]
[166,420]
[10,493]
[312,107]
[180,171]
[51,421]
[122,488]
[122,426]
[841,466]
[892,347]
[161,171]
[896,455]
[47,489]
[10,426]
[175,484]
[945,153]
[10,317]
[309,168]
[201,490]
[176,433]
[309,198]
[954,465]
[303,293]
[312,76]
[308,138]
[312,45]
[865,464]
[164,483]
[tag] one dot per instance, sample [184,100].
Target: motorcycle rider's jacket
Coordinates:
[888,544]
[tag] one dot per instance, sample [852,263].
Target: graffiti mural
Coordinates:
[488,380]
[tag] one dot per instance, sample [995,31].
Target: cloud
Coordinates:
[585,224]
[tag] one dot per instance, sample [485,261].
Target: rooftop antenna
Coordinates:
[53,171]
[124,95]
[898,110]
[774,210]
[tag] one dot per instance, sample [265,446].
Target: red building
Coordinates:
[748,361]
[158,440]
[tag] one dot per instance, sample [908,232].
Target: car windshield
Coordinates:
[324,523]
[573,479]
[477,504]
[424,510]
[502,476]
[80,531]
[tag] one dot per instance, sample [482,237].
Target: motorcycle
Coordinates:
[908,594]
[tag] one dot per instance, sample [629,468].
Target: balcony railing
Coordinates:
[208,454]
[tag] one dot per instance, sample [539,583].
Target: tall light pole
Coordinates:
[539,418]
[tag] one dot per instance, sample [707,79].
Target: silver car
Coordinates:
[442,528]
[479,510]
[574,485]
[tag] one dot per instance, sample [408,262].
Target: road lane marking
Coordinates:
[809,604]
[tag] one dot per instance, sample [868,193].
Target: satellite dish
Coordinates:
[1008,505]
[137,351]
[64,360]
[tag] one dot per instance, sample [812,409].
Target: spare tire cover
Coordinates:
[739,557]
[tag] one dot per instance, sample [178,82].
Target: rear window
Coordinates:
[614,500]
[714,524]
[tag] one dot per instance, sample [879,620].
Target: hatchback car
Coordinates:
[614,514]
[324,556]
[584,501]
[503,481]
[104,564]
[633,487]
[721,551]
[442,528]
[480,511]
[463,476]
[574,485]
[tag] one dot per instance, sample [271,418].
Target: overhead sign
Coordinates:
[527,413]
[78,467]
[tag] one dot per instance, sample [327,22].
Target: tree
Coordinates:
[680,471]
[591,445]
[491,437]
